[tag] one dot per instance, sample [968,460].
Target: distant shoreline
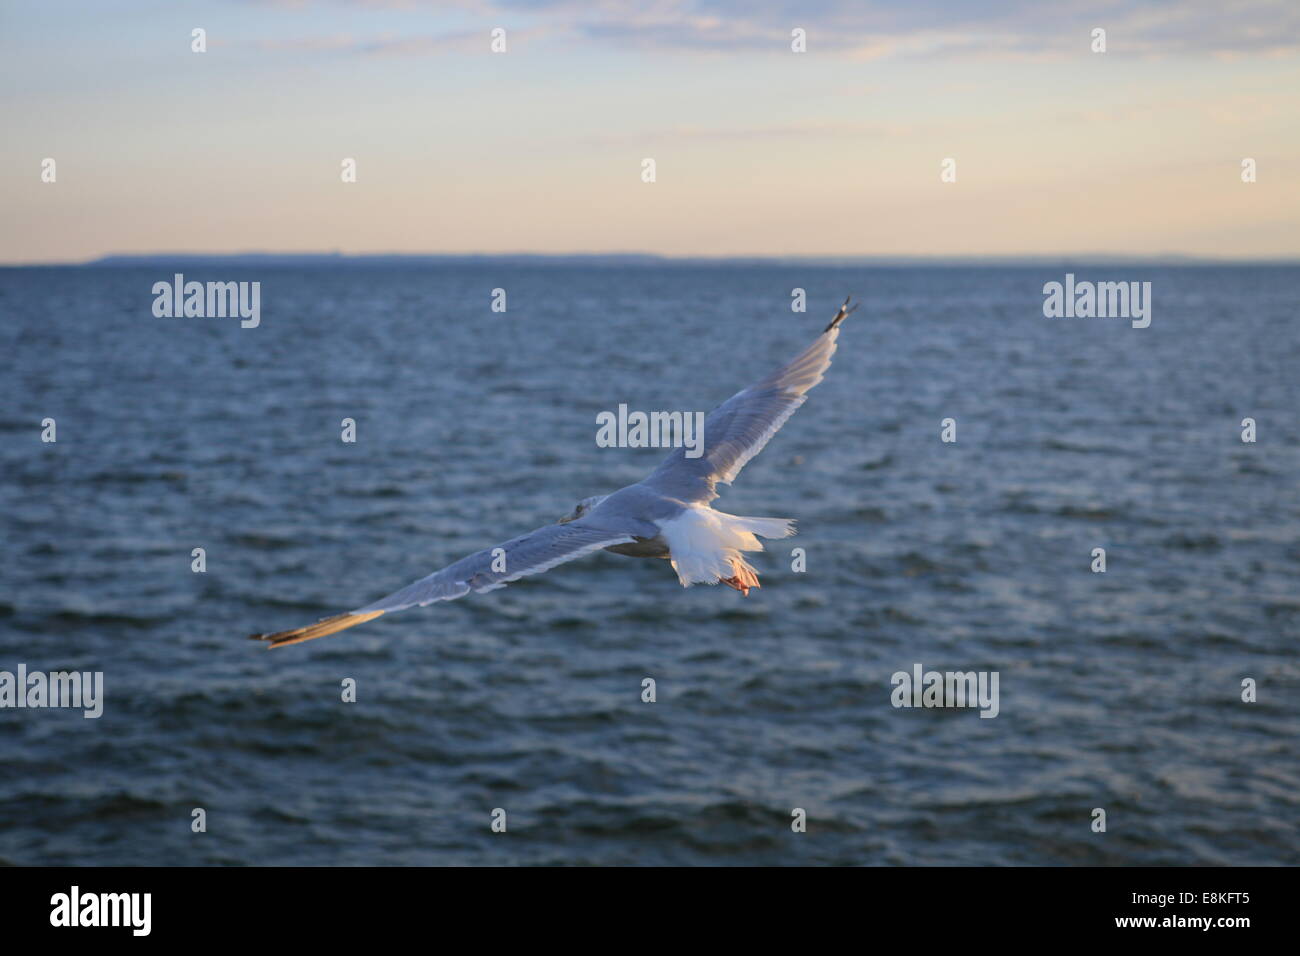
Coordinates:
[605,260]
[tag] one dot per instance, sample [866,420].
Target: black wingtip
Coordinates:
[841,315]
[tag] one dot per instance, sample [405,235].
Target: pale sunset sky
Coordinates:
[759,151]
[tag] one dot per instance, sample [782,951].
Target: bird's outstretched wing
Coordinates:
[737,430]
[486,570]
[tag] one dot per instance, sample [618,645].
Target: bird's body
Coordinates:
[667,515]
[703,544]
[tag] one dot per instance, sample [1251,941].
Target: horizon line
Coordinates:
[120,260]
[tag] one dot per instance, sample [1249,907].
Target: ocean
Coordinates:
[1120,691]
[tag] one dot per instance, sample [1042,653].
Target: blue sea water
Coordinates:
[1119,690]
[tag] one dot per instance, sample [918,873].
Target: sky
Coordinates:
[758,150]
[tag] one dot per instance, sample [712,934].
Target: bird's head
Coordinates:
[583,507]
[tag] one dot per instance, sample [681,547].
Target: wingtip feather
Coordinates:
[841,315]
[322,628]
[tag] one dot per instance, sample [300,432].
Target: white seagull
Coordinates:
[667,515]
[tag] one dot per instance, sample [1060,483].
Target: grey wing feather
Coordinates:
[527,554]
[740,427]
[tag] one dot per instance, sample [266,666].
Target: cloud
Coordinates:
[809,129]
[919,29]
[342,41]
[933,28]
[396,45]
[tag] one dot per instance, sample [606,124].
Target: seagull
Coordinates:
[666,515]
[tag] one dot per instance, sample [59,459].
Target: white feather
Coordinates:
[706,545]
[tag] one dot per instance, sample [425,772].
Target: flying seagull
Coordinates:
[667,515]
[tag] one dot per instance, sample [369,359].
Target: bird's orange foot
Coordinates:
[736,583]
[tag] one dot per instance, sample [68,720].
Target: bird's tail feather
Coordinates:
[706,545]
[765,527]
